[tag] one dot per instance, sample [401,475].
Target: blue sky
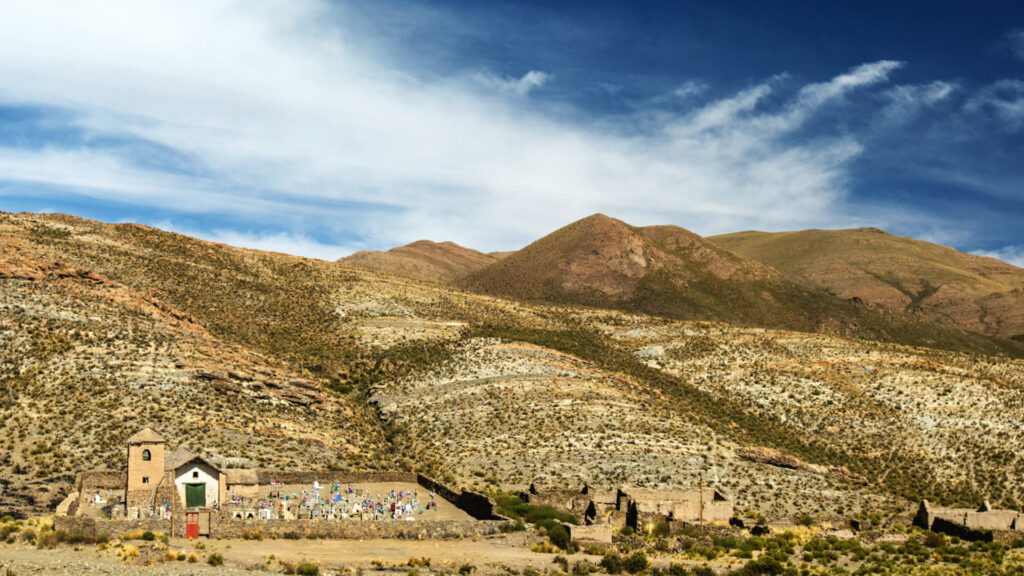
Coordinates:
[320,128]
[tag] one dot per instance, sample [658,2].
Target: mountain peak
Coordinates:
[425,260]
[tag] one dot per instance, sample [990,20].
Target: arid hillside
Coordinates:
[85,361]
[668,271]
[440,262]
[290,362]
[964,290]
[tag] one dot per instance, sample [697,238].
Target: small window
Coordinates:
[195,473]
[145,479]
[146,455]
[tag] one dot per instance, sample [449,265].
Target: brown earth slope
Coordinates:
[423,260]
[85,361]
[971,292]
[668,271]
[273,358]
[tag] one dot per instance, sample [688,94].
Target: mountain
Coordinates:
[268,359]
[423,260]
[971,292]
[672,272]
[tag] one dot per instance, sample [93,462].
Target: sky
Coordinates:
[320,128]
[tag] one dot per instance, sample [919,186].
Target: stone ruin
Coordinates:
[983,523]
[604,511]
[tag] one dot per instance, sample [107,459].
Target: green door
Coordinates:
[195,495]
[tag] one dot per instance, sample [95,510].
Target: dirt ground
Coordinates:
[487,555]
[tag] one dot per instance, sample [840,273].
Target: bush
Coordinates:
[612,562]
[467,569]
[661,530]
[934,540]
[148,536]
[636,562]
[762,566]
[307,568]
[517,526]
[559,536]
[215,559]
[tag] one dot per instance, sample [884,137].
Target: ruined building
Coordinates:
[983,523]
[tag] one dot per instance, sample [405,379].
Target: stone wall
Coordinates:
[112,528]
[222,527]
[328,476]
[351,530]
[967,523]
[476,505]
[100,480]
[564,499]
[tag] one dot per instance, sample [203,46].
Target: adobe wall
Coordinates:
[597,533]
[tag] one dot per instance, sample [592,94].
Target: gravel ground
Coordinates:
[18,560]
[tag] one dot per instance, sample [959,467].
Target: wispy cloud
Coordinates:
[286,242]
[1015,42]
[905,101]
[1005,98]
[519,86]
[1012,254]
[290,120]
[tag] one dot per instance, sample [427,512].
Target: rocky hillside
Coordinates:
[668,271]
[288,362]
[964,290]
[424,260]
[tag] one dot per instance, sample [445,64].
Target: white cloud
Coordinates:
[907,100]
[518,86]
[689,88]
[1015,41]
[285,242]
[1005,98]
[292,118]
[1011,254]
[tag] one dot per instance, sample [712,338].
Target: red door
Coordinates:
[191,526]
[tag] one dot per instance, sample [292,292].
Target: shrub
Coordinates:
[467,569]
[636,562]
[612,562]
[148,536]
[762,566]
[934,540]
[559,536]
[516,526]
[307,568]
[661,530]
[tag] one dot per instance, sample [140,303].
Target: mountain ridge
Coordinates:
[425,260]
[672,272]
[972,292]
